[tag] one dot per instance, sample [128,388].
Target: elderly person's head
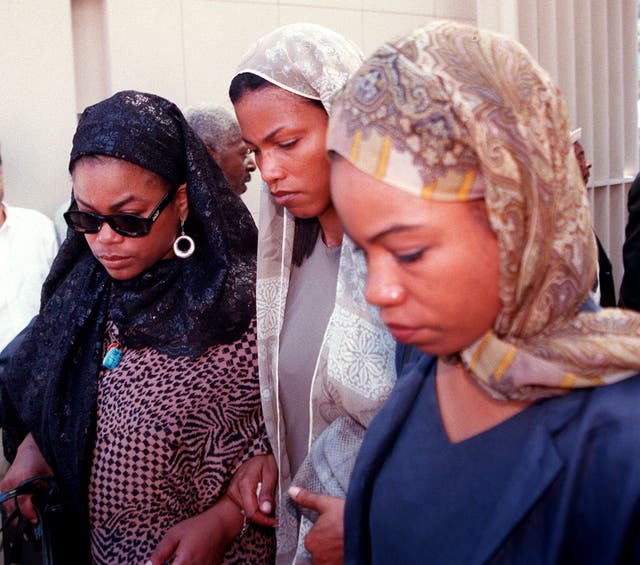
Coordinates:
[584,163]
[220,133]
[453,170]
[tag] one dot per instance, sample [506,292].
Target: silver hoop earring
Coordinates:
[183,246]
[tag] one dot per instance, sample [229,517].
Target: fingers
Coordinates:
[252,489]
[163,551]
[262,516]
[25,503]
[308,499]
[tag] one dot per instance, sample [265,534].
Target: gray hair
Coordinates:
[216,126]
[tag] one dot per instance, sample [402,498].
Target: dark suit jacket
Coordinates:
[572,495]
[630,289]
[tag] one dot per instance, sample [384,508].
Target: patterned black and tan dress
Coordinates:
[170,434]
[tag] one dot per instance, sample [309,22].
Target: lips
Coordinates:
[403,334]
[283,198]
[113,261]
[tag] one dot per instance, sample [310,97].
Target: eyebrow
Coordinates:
[268,137]
[120,203]
[395,228]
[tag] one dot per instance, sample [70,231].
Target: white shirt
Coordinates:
[28,246]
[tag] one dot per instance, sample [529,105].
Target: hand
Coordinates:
[29,462]
[201,539]
[325,540]
[252,489]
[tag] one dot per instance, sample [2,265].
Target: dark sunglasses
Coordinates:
[128,225]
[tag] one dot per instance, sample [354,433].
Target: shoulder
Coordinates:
[32,222]
[618,401]
[608,425]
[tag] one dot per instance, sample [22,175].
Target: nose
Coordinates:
[249,163]
[383,289]
[106,234]
[270,168]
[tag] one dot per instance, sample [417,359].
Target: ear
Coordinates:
[181,202]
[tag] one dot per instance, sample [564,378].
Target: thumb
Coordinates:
[163,551]
[307,498]
[265,498]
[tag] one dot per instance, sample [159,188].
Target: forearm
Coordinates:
[227,518]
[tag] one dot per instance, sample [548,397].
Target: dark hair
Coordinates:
[248,82]
[304,240]
[307,230]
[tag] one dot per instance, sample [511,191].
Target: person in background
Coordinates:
[28,246]
[604,289]
[220,133]
[513,432]
[324,354]
[137,384]
[630,288]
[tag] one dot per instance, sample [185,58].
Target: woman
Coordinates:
[323,353]
[137,384]
[512,435]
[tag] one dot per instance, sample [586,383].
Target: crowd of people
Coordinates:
[414,358]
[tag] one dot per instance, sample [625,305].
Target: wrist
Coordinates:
[232,523]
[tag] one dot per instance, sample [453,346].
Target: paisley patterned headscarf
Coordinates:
[454,113]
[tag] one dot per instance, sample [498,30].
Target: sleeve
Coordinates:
[13,429]
[630,289]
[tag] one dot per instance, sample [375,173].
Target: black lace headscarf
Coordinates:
[178,306]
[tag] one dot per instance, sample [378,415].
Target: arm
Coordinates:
[256,501]
[29,462]
[201,539]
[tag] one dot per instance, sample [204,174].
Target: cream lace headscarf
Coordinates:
[426,113]
[355,370]
[306,59]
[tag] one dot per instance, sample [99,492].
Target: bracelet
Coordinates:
[245,526]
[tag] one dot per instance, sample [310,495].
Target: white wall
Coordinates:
[37,109]
[187,50]
[58,56]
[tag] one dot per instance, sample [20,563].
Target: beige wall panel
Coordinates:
[346,22]
[145,39]
[219,33]
[345,4]
[421,7]
[380,27]
[457,9]
[37,110]
[91,57]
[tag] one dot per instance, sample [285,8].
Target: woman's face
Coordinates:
[287,133]
[107,185]
[433,267]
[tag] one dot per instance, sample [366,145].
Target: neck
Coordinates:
[331,227]
[3,214]
[465,408]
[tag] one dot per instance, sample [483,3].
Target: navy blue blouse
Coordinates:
[557,483]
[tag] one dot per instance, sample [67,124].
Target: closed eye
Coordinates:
[288,144]
[410,257]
